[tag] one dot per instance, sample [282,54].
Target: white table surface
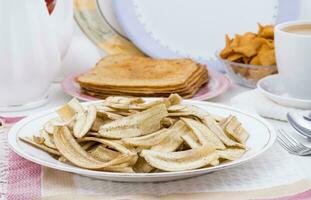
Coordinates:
[58,97]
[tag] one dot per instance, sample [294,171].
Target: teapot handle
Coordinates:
[62,21]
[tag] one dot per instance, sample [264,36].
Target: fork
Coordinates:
[290,144]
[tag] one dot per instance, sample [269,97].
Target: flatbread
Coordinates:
[126,75]
[200,80]
[193,79]
[134,71]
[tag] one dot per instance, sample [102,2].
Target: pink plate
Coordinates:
[217,84]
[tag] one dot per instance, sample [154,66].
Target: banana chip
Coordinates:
[173,140]
[49,125]
[104,154]
[73,152]
[167,122]
[108,115]
[110,143]
[84,121]
[48,139]
[40,146]
[150,140]
[215,128]
[180,161]
[129,135]
[66,113]
[234,128]
[142,166]
[204,134]
[230,154]
[98,123]
[138,124]
[191,140]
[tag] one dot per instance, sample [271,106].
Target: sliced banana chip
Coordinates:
[75,105]
[204,134]
[104,154]
[180,161]
[231,154]
[141,166]
[118,168]
[129,135]
[85,146]
[97,123]
[215,128]
[132,103]
[235,130]
[173,140]
[177,108]
[175,99]
[48,139]
[209,121]
[138,124]
[66,113]
[95,134]
[215,162]
[100,106]
[110,143]
[191,140]
[167,122]
[108,115]
[73,152]
[29,140]
[150,140]
[189,110]
[49,125]
[123,100]
[88,145]
[38,139]
[84,121]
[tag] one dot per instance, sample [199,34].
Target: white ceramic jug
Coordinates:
[32,44]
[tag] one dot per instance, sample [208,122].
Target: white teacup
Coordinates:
[293,55]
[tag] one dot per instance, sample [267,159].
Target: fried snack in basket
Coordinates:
[129,135]
[252,49]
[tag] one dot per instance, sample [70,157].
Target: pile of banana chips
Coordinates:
[130,135]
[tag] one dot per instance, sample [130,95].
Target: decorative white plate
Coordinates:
[262,136]
[272,88]
[97,20]
[195,29]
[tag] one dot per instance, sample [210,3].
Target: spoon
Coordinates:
[300,124]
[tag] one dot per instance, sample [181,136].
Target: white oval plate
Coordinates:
[262,136]
[272,88]
[195,29]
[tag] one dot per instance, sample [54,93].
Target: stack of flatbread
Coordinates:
[127,75]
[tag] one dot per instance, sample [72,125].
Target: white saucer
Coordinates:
[272,88]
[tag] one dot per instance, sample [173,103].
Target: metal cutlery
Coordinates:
[300,124]
[292,145]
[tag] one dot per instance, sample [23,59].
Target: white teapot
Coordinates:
[32,45]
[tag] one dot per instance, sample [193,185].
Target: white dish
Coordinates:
[105,9]
[195,29]
[272,88]
[97,20]
[262,136]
